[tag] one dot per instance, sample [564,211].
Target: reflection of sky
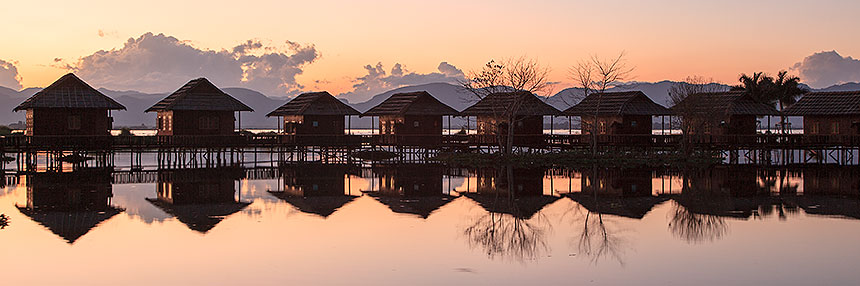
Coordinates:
[365,241]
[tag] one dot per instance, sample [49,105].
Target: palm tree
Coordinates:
[760,87]
[786,89]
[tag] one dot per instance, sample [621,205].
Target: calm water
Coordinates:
[430,225]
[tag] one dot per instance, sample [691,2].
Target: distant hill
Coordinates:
[450,94]
[657,91]
[445,92]
[843,87]
[137,102]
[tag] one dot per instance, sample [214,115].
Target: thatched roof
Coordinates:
[421,206]
[630,207]
[314,103]
[827,103]
[70,225]
[728,103]
[70,92]
[200,217]
[617,103]
[199,94]
[323,206]
[412,103]
[524,207]
[498,103]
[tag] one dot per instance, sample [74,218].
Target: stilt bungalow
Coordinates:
[319,189]
[411,189]
[412,119]
[828,113]
[199,198]
[493,112]
[69,107]
[721,113]
[198,108]
[617,113]
[70,204]
[315,118]
[520,195]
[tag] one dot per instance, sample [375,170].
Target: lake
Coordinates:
[429,224]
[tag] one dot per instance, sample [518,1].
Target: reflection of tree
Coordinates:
[508,236]
[4,221]
[599,239]
[694,228]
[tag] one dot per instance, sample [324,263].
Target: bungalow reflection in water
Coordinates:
[514,191]
[199,198]
[621,192]
[414,189]
[70,204]
[316,189]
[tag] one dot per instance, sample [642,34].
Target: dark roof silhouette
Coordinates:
[630,207]
[728,103]
[411,103]
[496,103]
[617,103]
[834,206]
[323,206]
[827,103]
[70,92]
[421,206]
[199,94]
[70,225]
[200,217]
[314,103]
[524,207]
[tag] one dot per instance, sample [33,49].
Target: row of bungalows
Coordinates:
[70,106]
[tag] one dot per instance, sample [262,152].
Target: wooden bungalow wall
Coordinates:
[194,122]
[58,121]
[831,125]
[314,125]
[619,125]
[411,129]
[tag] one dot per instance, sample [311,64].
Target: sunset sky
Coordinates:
[334,41]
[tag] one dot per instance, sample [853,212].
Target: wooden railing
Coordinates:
[774,141]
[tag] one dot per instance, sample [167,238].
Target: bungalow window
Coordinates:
[834,128]
[160,123]
[633,123]
[315,123]
[601,127]
[415,124]
[74,122]
[207,122]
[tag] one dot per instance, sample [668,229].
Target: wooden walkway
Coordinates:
[12,144]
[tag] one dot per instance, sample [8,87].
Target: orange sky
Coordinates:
[663,39]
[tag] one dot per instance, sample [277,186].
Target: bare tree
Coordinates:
[693,118]
[695,228]
[511,75]
[596,75]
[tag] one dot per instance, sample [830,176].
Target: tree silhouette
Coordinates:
[4,221]
[780,92]
[696,228]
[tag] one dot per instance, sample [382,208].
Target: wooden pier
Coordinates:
[210,151]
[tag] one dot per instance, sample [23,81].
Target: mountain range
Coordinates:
[450,94]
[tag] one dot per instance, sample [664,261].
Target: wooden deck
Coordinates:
[12,144]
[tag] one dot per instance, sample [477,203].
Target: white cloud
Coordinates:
[9,76]
[824,69]
[377,81]
[160,63]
